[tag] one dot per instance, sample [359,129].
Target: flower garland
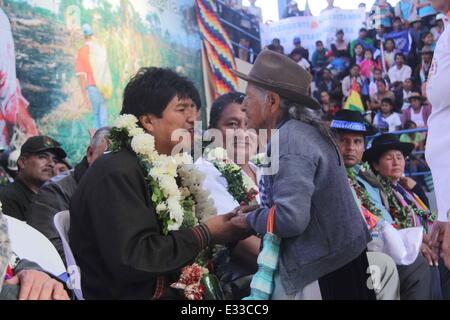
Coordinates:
[175,184]
[404,213]
[240,186]
[363,195]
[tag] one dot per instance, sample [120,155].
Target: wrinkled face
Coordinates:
[94,152]
[239,142]
[391,165]
[386,108]
[38,167]
[177,119]
[256,108]
[351,146]
[59,168]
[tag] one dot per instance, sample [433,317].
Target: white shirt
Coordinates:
[417,118]
[217,186]
[406,95]
[304,64]
[393,121]
[396,74]
[438,141]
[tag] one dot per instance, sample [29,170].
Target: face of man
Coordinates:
[37,168]
[319,46]
[256,108]
[94,152]
[327,75]
[362,34]
[178,118]
[351,146]
[407,85]
[416,104]
[377,75]
[354,71]
[427,58]
[59,168]
[399,60]
[381,87]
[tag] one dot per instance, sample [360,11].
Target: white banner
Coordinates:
[312,29]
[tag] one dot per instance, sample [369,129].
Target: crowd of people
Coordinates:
[148,221]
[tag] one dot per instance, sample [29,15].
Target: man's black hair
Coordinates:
[400,54]
[152,89]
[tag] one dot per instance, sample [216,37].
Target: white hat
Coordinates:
[440,16]
[12,160]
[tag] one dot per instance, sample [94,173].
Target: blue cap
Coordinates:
[87,30]
[297,40]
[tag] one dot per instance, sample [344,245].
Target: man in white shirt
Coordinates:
[437,151]
[400,72]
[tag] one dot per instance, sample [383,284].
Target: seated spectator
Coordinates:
[421,72]
[348,81]
[380,33]
[38,156]
[276,46]
[244,46]
[292,10]
[358,54]
[382,93]
[297,56]
[438,30]
[400,72]
[351,130]
[319,59]
[418,112]
[337,65]
[340,45]
[61,166]
[298,46]
[329,107]
[397,25]
[417,138]
[385,12]
[376,75]
[426,11]
[402,94]
[405,9]
[389,53]
[54,196]
[368,65]
[363,39]
[417,31]
[386,120]
[428,40]
[330,85]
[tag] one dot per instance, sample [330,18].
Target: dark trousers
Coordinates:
[349,282]
[415,280]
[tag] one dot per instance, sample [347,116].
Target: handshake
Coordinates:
[230,227]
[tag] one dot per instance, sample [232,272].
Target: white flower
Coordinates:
[169,186]
[136,131]
[183,159]
[175,209]
[126,121]
[143,144]
[248,183]
[167,165]
[161,207]
[217,154]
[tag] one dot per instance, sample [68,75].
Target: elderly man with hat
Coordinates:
[324,237]
[38,156]
[351,130]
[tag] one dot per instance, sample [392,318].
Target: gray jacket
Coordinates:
[316,216]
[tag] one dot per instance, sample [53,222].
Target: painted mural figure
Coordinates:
[13,105]
[92,68]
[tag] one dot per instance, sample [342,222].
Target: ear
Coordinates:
[21,163]
[274,101]
[89,154]
[148,122]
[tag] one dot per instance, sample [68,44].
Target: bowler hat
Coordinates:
[384,143]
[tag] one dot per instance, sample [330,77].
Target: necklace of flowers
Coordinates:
[363,195]
[177,196]
[402,212]
[240,186]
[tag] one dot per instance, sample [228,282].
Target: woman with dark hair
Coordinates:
[230,176]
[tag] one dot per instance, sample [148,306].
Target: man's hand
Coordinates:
[436,240]
[37,285]
[427,252]
[222,231]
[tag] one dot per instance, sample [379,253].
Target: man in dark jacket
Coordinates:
[115,233]
[55,195]
[38,156]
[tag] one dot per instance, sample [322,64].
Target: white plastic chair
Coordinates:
[30,244]
[62,224]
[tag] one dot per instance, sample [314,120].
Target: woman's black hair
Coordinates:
[152,89]
[221,103]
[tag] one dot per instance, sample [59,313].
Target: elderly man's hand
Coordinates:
[222,231]
[37,285]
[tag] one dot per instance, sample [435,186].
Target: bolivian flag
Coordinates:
[354,101]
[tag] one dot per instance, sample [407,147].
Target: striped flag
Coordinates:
[218,47]
[354,101]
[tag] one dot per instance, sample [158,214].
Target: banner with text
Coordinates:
[311,29]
